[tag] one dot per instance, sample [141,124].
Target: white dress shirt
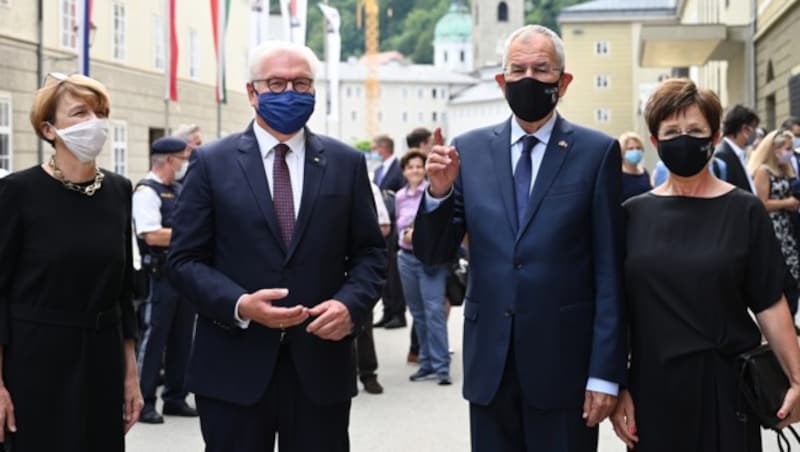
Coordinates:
[537,154]
[380,206]
[146,208]
[295,160]
[742,154]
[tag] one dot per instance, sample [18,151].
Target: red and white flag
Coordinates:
[171,46]
[219,25]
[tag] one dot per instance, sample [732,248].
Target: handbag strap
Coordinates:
[780,437]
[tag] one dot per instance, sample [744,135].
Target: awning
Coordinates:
[684,45]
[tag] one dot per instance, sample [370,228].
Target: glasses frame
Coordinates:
[286,82]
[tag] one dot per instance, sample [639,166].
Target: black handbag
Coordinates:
[762,387]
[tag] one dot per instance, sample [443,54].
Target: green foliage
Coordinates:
[363,145]
[408,25]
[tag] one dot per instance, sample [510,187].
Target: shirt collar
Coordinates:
[266,142]
[388,162]
[739,151]
[151,175]
[543,134]
[420,188]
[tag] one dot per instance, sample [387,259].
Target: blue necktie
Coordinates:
[522,176]
[379,175]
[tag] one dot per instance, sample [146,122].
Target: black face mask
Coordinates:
[685,155]
[530,99]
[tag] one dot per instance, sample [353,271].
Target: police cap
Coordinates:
[168,145]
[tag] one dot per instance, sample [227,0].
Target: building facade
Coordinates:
[778,61]
[492,22]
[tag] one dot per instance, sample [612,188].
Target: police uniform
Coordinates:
[168,320]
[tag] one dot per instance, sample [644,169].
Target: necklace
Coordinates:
[88,190]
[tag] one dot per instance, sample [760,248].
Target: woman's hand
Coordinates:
[790,410]
[624,420]
[7,420]
[133,400]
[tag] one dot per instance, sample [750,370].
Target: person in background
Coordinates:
[421,139]
[739,130]
[423,285]
[67,325]
[168,319]
[701,254]
[190,133]
[773,174]
[635,179]
[389,176]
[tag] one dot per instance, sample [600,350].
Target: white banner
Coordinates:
[333,42]
[259,17]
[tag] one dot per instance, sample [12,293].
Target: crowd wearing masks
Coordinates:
[591,294]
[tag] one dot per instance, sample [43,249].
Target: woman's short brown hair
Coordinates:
[46,99]
[675,96]
[413,153]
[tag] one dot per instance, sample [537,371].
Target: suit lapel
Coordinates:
[252,165]
[558,147]
[314,169]
[500,145]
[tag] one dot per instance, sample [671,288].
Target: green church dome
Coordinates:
[456,25]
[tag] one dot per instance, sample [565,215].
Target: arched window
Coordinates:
[502,12]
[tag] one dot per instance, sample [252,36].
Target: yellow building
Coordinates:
[602,51]
[778,58]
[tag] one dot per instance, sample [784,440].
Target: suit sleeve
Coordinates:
[192,249]
[438,233]
[608,359]
[366,253]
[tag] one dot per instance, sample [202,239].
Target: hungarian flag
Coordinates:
[171,74]
[83,16]
[219,24]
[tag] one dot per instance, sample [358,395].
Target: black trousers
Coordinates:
[285,410]
[168,334]
[508,425]
[365,354]
[394,303]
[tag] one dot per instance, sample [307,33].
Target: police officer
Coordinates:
[168,320]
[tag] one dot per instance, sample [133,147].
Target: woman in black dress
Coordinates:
[700,253]
[67,327]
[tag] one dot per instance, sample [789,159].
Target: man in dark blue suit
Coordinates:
[539,197]
[277,243]
[387,176]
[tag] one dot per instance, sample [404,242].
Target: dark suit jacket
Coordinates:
[393,179]
[557,279]
[226,242]
[737,174]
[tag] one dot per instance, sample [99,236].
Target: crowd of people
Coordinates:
[594,290]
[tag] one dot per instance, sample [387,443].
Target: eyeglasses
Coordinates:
[278,85]
[539,72]
[674,132]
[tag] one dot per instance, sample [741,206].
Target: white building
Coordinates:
[480,105]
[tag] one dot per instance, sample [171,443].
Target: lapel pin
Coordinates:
[562,144]
[316,159]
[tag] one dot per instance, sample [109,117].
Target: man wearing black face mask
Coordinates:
[276,241]
[540,199]
[739,127]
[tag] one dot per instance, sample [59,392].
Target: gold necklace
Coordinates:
[88,190]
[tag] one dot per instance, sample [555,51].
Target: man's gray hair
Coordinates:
[269,48]
[185,131]
[528,30]
[158,160]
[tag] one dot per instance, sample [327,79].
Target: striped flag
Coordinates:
[219,23]
[294,20]
[259,18]
[332,56]
[83,16]
[171,72]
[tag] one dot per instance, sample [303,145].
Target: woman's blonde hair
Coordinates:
[46,99]
[764,155]
[625,137]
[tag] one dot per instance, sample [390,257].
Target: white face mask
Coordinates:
[182,171]
[85,139]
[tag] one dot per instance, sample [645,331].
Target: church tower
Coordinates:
[452,41]
[492,22]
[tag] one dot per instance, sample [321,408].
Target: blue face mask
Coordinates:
[634,156]
[286,112]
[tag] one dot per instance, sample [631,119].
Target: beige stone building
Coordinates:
[778,61]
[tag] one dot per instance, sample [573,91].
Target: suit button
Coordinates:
[509,312]
[518,266]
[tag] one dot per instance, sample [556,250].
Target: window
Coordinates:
[118,23]
[601,48]
[445,56]
[602,81]
[444,93]
[69,24]
[419,93]
[433,93]
[5,132]
[602,115]
[434,116]
[358,91]
[405,93]
[194,55]
[119,147]
[420,116]
[5,2]
[462,56]
[380,116]
[353,115]
[502,12]
[405,116]
[159,50]
[348,92]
